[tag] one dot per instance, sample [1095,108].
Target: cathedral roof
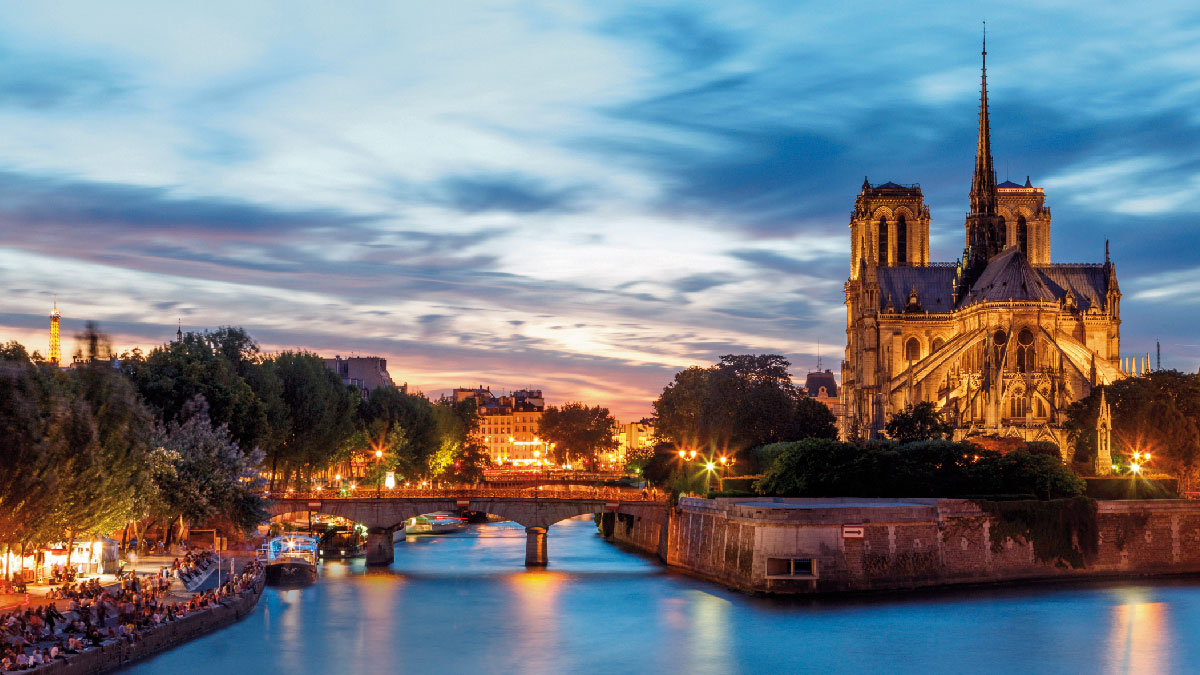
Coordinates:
[1009,184]
[1086,282]
[934,286]
[1009,276]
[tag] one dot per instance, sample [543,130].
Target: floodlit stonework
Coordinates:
[1001,341]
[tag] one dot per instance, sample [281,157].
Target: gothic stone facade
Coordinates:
[1000,341]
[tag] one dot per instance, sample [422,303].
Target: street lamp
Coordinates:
[378,466]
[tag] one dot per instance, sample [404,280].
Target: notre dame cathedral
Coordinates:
[1000,341]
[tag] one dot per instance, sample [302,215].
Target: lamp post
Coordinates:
[378,467]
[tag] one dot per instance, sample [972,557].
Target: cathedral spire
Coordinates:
[983,186]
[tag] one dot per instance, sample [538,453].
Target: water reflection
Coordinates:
[1140,636]
[710,629]
[466,603]
[537,622]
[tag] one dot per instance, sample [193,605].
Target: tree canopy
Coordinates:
[920,422]
[829,468]
[744,401]
[1158,413]
[578,432]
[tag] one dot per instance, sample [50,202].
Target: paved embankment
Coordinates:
[833,545]
[119,653]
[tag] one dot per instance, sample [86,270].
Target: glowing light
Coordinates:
[353,486]
[537,453]
[337,476]
[682,454]
[1135,467]
[390,481]
[710,466]
[378,454]
[1147,457]
[724,460]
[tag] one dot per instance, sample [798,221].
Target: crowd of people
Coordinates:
[193,565]
[93,614]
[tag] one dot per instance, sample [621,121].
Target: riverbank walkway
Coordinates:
[44,635]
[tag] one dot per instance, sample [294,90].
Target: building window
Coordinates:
[912,350]
[1025,355]
[792,567]
[938,343]
[901,240]
[1017,406]
[883,240]
[1022,235]
[999,339]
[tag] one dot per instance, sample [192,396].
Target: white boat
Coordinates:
[441,522]
[291,559]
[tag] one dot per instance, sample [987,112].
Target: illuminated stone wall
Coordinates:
[909,543]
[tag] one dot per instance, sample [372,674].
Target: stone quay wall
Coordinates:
[115,655]
[835,545]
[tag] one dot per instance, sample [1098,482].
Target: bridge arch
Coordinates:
[536,514]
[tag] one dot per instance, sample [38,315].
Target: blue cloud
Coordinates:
[512,192]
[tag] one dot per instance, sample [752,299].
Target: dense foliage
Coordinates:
[1158,413]
[828,468]
[578,432]
[920,422]
[185,433]
[742,402]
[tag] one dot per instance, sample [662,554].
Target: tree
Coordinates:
[171,375]
[920,422]
[212,476]
[577,431]
[741,402]
[459,456]
[319,416]
[937,468]
[31,449]
[109,431]
[1157,413]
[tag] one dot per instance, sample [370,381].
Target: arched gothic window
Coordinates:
[883,240]
[912,350]
[938,343]
[1022,235]
[1017,406]
[901,241]
[999,339]
[1025,354]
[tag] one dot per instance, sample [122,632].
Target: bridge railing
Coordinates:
[590,494]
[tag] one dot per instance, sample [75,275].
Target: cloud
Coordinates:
[42,82]
[504,192]
[584,196]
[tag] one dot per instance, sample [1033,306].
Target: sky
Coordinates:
[582,197]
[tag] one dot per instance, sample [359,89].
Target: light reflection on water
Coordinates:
[466,603]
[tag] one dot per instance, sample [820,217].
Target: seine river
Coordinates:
[465,603]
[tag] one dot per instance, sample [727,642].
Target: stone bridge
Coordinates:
[537,510]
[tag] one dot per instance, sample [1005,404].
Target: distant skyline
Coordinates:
[582,197]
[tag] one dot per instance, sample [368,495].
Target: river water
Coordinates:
[465,603]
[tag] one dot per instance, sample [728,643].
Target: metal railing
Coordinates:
[370,493]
